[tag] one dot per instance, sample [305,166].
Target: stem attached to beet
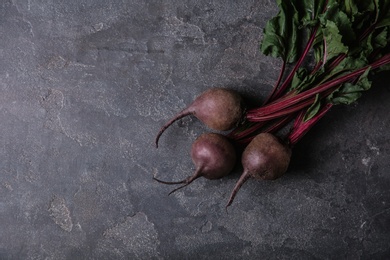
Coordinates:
[287,82]
[301,127]
[278,108]
[270,97]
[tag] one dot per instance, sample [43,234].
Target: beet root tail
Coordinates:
[180,115]
[244,177]
[185,182]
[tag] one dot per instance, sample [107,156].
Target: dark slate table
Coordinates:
[85,86]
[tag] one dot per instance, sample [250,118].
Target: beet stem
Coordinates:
[244,177]
[301,128]
[180,115]
[248,131]
[269,98]
[286,111]
[283,104]
[279,124]
[297,65]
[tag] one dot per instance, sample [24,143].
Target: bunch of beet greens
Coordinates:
[346,42]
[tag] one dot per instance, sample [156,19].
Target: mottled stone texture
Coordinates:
[85,86]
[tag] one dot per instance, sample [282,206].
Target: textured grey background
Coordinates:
[85,86]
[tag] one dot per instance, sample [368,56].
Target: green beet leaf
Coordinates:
[284,33]
[333,40]
[313,109]
[280,34]
[349,92]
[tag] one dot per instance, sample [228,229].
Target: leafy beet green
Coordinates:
[283,32]
[347,41]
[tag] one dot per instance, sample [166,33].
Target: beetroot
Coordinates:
[218,108]
[265,158]
[213,156]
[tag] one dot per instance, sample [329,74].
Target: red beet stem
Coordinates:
[368,31]
[180,115]
[280,113]
[297,65]
[317,67]
[251,129]
[301,128]
[337,61]
[269,98]
[278,107]
[279,124]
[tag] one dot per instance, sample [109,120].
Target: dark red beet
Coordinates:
[218,108]
[213,156]
[265,158]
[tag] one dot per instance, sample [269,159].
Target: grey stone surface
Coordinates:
[85,86]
